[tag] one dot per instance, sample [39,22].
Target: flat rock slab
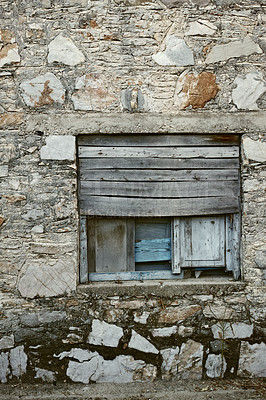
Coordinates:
[246,389]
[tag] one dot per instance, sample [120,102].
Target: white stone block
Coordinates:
[176,53]
[170,362]
[161,332]
[140,343]
[43,90]
[248,91]
[141,319]
[7,342]
[4,367]
[104,334]
[18,361]
[190,360]
[44,280]
[222,52]
[215,366]
[201,28]
[78,354]
[9,55]
[59,148]
[45,375]
[254,149]
[225,330]
[63,50]
[252,360]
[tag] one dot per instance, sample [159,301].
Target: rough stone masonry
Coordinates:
[73,67]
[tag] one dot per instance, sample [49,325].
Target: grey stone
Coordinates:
[45,375]
[178,3]
[18,361]
[176,53]
[185,331]
[248,91]
[141,100]
[9,55]
[252,360]
[4,367]
[170,362]
[225,330]
[260,259]
[161,332]
[63,50]
[38,229]
[58,148]
[254,149]
[3,171]
[51,248]
[218,312]
[104,334]
[44,280]
[140,343]
[215,366]
[42,91]
[33,214]
[7,152]
[222,52]
[190,360]
[7,342]
[201,28]
[126,99]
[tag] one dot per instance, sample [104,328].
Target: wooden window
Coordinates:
[157,205]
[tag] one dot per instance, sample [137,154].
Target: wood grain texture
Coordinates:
[158,140]
[146,207]
[153,250]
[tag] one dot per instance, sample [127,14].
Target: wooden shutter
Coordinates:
[158,175]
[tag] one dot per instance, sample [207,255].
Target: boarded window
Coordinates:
[158,203]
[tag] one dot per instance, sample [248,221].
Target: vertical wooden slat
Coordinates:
[233,244]
[176,268]
[130,227]
[83,270]
[91,244]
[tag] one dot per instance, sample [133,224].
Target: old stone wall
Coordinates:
[76,67]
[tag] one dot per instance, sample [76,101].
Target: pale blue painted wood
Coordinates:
[136,276]
[153,250]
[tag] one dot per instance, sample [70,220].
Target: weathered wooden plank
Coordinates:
[153,250]
[158,140]
[202,241]
[83,255]
[159,152]
[176,267]
[87,164]
[134,275]
[145,207]
[233,244]
[159,175]
[161,189]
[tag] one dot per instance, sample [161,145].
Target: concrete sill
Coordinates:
[163,288]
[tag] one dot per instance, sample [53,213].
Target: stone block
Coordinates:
[4,367]
[18,361]
[93,93]
[248,90]
[63,50]
[9,55]
[11,120]
[254,149]
[45,375]
[218,312]
[43,90]
[201,28]
[140,343]
[172,314]
[215,366]
[41,279]
[162,332]
[252,360]
[78,354]
[103,334]
[176,53]
[190,360]
[237,330]
[141,318]
[59,148]
[170,362]
[237,48]
[7,342]
[3,171]
[195,90]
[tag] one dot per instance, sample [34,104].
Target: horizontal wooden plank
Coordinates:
[157,163]
[159,152]
[153,250]
[134,275]
[159,175]
[164,189]
[145,207]
[158,140]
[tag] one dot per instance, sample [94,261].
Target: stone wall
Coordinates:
[77,67]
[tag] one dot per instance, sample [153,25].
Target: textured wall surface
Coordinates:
[111,66]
